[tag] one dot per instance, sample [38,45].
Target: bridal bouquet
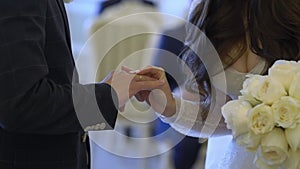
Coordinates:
[265,119]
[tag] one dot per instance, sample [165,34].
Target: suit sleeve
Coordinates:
[29,101]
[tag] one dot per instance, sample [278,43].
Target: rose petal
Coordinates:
[293,161]
[274,147]
[293,137]
[235,115]
[261,119]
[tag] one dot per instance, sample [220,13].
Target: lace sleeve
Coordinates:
[188,120]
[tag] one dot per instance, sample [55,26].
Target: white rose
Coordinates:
[274,147]
[284,71]
[261,119]
[257,89]
[249,140]
[249,86]
[294,89]
[235,114]
[286,112]
[269,90]
[293,137]
[262,165]
[293,160]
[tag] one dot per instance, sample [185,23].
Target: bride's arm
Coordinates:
[185,113]
[190,118]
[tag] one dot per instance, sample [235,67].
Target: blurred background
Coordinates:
[108,33]
[81,10]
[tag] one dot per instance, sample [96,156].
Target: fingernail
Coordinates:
[134,71]
[162,81]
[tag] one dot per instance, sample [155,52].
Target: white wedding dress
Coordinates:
[222,151]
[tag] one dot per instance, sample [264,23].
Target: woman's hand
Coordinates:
[127,85]
[160,98]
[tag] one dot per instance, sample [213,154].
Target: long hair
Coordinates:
[269,28]
[275,29]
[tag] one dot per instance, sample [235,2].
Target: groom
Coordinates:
[39,127]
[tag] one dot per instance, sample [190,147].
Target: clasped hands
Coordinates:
[149,84]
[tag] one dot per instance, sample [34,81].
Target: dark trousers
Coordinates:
[35,151]
[4,165]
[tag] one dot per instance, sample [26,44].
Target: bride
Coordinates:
[248,36]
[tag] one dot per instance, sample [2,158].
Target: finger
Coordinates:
[139,78]
[139,96]
[129,70]
[122,108]
[149,85]
[152,69]
[155,72]
[145,95]
[126,69]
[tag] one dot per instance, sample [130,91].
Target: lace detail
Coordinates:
[185,118]
[188,119]
[237,157]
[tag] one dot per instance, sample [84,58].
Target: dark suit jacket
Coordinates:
[39,127]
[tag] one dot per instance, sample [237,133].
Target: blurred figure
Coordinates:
[170,45]
[119,29]
[108,3]
[118,35]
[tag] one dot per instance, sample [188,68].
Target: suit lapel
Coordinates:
[64,14]
[66,24]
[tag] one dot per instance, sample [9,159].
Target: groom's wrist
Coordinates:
[108,103]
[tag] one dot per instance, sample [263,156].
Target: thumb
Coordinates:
[122,108]
[108,78]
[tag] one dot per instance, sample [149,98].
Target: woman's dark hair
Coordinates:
[274,27]
[269,28]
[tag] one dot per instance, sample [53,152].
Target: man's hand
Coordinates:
[160,98]
[127,85]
